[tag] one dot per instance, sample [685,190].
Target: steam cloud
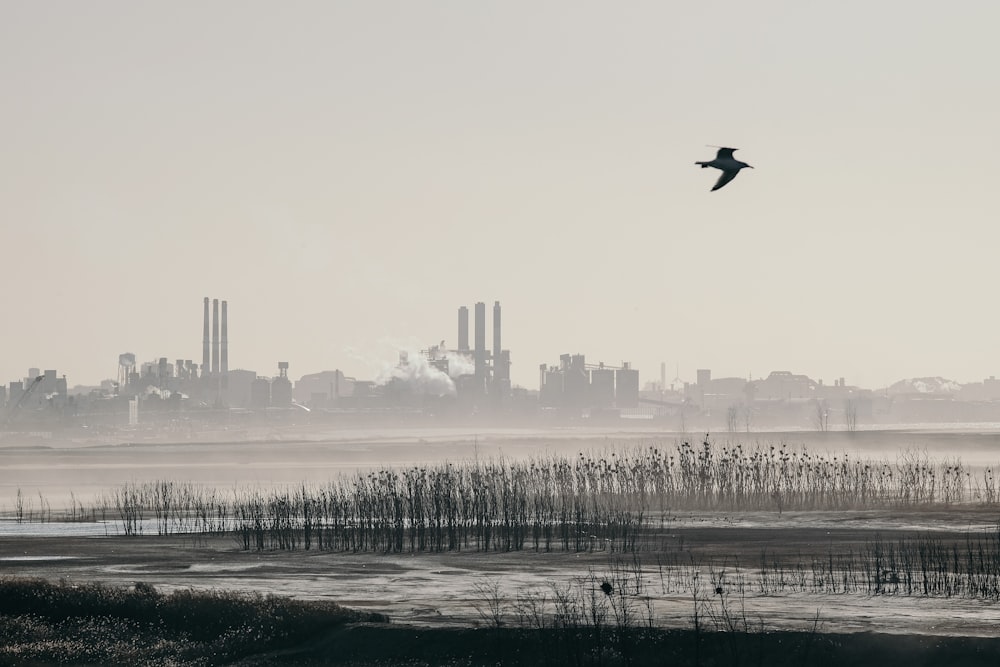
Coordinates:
[422,377]
[418,373]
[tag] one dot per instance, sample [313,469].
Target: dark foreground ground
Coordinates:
[387,645]
[46,623]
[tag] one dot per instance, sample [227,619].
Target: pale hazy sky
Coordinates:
[347,174]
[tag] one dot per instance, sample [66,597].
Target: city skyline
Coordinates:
[345,180]
[214,359]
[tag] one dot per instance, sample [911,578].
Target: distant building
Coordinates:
[260,394]
[987,390]
[240,383]
[281,388]
[16,389]
[626,386]
[783,385]
[575,384]
[322,389]
[602,387]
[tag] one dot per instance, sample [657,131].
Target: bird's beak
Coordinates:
[750,166]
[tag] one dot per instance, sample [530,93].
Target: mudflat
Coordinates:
[766,564]
[864,570]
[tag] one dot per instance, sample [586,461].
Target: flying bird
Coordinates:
[725,162]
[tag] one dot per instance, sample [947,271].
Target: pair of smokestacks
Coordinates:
[219,351]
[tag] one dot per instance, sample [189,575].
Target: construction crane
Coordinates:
[12,411]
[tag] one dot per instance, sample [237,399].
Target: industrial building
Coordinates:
[491,370]
[39,391]
[575,384]
[212,374]
[473,377]
[215,353]
[462,379]
[323,389]
[211,384]
[490,375]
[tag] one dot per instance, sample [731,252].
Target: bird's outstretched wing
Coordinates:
[725,177]
[725,153]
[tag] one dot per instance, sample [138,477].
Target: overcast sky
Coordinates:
[347,174]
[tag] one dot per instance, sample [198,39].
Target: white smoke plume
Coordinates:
[459,364]
[418,373]
[156,391]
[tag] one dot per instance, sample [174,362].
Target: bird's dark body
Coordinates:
[727,164]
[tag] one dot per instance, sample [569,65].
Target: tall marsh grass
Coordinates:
[583,503]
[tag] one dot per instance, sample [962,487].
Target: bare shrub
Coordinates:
[490,603]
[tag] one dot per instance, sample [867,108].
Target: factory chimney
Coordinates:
[463,329]
[225,340]
[480,351]
[496,333]
[215,336]
[204,344]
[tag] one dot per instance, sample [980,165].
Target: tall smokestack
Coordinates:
[215,336]
[463,328]
[225,340]
[480,352]
[496,333]
[204,344]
